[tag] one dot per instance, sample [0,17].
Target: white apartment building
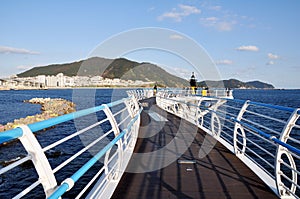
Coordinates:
[59,80]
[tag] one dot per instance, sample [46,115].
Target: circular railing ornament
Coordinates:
[215,125]
[239,132]
[284,189]
[281,185]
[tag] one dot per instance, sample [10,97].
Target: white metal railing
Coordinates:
[171,92]
[212,92]
[265,137]
[120,119]
[141,93]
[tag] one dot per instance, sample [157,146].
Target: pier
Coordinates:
[173,145]
[217,175]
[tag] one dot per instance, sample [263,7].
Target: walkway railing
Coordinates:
[167,92]
[113,146]
[265,137]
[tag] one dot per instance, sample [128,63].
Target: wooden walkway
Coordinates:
[217,175]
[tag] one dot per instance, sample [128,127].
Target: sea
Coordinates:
[12,107]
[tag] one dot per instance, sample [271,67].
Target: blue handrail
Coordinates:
[266,135]
[270,137]
[79,173]
[17,132]
[281,108]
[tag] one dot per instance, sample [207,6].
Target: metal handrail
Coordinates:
[129,134]
[17,132]
[66,185]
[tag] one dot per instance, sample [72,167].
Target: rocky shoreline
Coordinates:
[50,108]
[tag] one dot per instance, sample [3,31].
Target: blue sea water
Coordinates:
[12,107]
[12,104]
[288,97]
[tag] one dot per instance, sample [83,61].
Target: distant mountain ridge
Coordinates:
[110,68]
[234,83]
[130,70]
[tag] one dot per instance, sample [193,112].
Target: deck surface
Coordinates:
[217,175]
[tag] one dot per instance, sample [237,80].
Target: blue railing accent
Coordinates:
[271,106]
[118,116]
[270,137]
[10,135]
[266,135]
[282,108]
[17,132]
[78,174]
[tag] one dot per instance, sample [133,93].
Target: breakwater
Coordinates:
[50,108]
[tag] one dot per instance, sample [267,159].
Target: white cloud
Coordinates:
[180,12]
[6,49]
[218,24]
[172,15]
[272,56]
[224,62]
[248,48]
[226,20]
[188,10]
[176,37]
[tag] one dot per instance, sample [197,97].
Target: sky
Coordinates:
[246,40]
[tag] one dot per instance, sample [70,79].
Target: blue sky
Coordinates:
[248,40]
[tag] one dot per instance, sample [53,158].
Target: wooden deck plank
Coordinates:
[218,175]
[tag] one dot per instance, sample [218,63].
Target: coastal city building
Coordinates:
[62,81]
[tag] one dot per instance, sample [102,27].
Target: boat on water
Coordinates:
[176,144]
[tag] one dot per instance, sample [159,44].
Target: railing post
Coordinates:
[114,126]
[214,117]
[133,109]
[39,159]
[282,151]
[130,106]
[198,114]
[237,127]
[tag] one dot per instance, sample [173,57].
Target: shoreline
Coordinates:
[62,88]
[95,87]
[50,107]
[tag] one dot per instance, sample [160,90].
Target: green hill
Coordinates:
[130,70]
[110,68]
[258,84]
[234,83]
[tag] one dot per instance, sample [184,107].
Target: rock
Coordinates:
[50,108]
